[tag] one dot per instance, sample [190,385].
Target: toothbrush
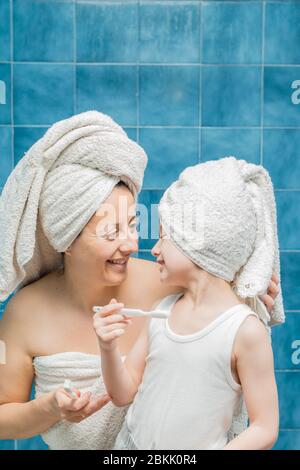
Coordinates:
[135,312]
[68,388]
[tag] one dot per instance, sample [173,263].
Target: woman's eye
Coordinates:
[111,236]
[133,226]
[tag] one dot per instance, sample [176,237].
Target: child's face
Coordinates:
[175,267]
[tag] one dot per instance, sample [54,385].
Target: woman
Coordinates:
[65,254]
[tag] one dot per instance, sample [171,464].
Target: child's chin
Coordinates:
[164,277]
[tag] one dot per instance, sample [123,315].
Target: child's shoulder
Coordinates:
[251,333]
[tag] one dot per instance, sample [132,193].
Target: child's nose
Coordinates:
[156,249]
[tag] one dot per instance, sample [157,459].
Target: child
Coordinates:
[186,376]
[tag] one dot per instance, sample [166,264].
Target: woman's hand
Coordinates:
[272,292]
[110,325]
[77,409]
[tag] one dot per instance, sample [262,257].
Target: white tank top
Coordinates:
[188,395]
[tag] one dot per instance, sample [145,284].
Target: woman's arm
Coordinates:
[255,367]
[121,379]
[19,417]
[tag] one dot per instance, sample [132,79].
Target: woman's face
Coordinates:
[175,267]
[103,248]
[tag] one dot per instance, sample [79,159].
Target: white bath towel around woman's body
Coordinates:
[98,431]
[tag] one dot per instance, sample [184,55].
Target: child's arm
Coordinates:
[121,379]
[255,367]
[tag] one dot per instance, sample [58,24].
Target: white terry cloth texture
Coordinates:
[222,215]
[56,188]
[98,431]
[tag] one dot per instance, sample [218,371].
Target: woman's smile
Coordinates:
[118,264]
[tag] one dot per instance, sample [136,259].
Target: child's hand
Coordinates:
[110,325]
[272,292]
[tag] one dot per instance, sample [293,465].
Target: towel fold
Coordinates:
[56,188]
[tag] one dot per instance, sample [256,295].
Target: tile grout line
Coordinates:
[146,64]
[138,76]
[291,371]
[74,57]
[161,188]
[200,133]
[262,83]
[212,128]
[12,129]
[12,106]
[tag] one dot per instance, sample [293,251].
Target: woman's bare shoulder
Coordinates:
[27,306]
[143,287]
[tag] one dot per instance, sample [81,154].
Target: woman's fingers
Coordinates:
[78,393]
[94,405]
[77,409]
[268,301]
[273,289]
[75,404]
[275,278]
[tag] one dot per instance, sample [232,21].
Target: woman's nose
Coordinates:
[129,246]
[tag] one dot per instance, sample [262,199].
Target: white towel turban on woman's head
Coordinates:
[56,188]
[222,215]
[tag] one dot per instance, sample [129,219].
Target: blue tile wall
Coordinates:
[115,41]
[231,96]
[231,34]
[5,30]
[111,88]
[170,33]
[169,95]
[169,152]
[282,36]
[5,98]
[43,31]
[42,93]
[281,96]
[190,81]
